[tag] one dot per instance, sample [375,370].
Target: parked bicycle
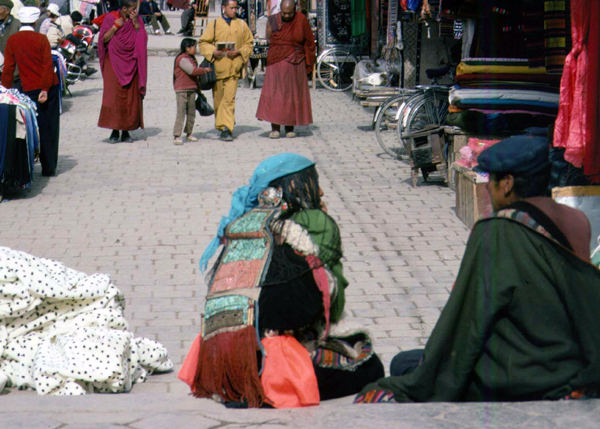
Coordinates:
[335,66]
[411,111]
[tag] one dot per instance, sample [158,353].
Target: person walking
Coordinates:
[30,52]
[285,97]
[228,63]
[150,12]
[123,54]
[185,82]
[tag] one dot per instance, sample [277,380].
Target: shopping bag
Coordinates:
[208,80]
[188,369]
[288,377]
[202,105]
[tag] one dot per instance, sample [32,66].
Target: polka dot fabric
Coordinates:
[62,332]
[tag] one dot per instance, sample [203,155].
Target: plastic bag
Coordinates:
[288,377]
[202,105]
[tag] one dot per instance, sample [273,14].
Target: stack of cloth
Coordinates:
[63,332]
[497,95]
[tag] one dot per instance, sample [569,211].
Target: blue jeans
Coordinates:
[406,362]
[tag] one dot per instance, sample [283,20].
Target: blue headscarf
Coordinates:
[246,197]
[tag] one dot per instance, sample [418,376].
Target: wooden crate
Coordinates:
[472,199]
[426,153]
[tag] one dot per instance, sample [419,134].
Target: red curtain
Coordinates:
[578,123]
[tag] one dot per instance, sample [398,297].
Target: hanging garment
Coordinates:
[575,130]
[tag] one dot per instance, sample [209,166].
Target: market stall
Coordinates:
[529,67]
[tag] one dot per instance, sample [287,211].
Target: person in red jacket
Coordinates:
[185,82]
[30,52]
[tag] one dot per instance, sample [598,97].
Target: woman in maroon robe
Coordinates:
[122,50]
[285,97]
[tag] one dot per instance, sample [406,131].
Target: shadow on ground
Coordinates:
[65,163]
[84,92]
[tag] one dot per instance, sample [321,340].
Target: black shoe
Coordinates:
[125,137]
[90,71]
[114,137]
[226,135]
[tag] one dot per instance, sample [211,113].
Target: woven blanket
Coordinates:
[62,332]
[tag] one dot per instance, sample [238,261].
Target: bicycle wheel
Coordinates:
[404,113]
[431,110]
[386,126]
[335,70]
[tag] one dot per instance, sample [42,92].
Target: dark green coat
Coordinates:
[522,323]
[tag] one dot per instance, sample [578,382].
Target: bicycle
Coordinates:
[411,112]
[335,69]
[335,66]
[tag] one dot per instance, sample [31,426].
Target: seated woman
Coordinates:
[271,331]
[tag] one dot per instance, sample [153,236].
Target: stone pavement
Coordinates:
[144,212]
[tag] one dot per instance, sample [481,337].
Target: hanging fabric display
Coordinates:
[358,10]
[19,138]
[576,130]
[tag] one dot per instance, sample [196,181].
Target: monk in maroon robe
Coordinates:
[123,54]
[285,97]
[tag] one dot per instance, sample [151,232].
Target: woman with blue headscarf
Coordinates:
[271,330]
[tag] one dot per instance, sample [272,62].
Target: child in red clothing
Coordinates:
[185,82]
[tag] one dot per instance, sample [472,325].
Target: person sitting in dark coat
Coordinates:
[517,324]
[150,12]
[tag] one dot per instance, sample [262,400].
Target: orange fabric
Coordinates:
[188,369]
[288,377]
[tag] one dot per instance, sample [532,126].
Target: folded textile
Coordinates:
[528,112]
[500,85]
[464,68]
[457,95]
[486,103]
[553,80]
[62,332]
[480,123]
[479,61]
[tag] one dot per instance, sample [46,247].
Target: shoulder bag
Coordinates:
[208,80]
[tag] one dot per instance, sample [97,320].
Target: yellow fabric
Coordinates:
[237,32]
[467,69]
[224,99]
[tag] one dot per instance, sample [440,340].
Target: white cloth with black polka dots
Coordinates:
[62,332]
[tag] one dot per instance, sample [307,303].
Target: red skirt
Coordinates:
[285,96]
[122,107]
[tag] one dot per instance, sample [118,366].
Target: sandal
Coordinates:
[274,135]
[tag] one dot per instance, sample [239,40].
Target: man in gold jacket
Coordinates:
[228,65]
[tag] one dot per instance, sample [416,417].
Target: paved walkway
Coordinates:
[144,212]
